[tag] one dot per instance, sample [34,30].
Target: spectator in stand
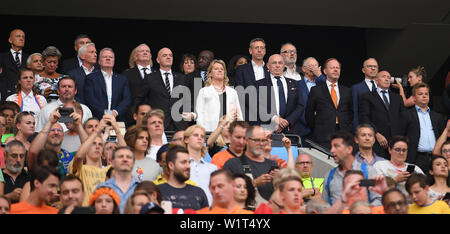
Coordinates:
[108,149]
[136,201]
[140,112]
[442,146]
[423,127]
[2,146]
[244,192]
[289,53]
[151,189]
[219,139]
[23,128]
[5,205]
[90,125]
[238,141]
[222,189]
[365,138]
[140,66]
[247,74]
[105,201]
[75,135]
[35,63]
[396,168]
[161,160]
[14,174]
[312,187]
[26,97]
[194,142]
[438,177]
[418,190]
[72,194]
[394,202]
[177,138]
[176,190]
[75,62]
[47,81]
[138,139]
[360,207]
[233,64]
[44,185]
[9,110]
[415,76]
[154,120]
[287,145]
[188,64]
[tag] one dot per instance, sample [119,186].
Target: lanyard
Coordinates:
[20,99]
[312,183]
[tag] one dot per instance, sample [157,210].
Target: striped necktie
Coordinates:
[167,82]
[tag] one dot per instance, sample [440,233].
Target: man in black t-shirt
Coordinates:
[259,166]
[14,174]
[180,194]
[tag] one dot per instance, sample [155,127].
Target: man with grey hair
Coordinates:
[106,90]
[123,182]
[253,162]
[35,63]
[14,173]
[365,138]
[289,53]
[75,62]
[88,55]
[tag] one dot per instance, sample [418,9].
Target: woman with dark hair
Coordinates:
[27,97]
[233,64]
[415,76]
[244,192]
[439,182]
[188,64]
[105,201]
[47,81]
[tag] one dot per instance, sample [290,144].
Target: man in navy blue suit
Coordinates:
[284,102]
[312,77]
[88,55]
[370,70]
[107,90]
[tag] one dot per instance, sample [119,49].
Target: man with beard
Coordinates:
[289,53]
[14,174]
[67,90]
[253,163]
[123,181]
[50,138]
[180,194]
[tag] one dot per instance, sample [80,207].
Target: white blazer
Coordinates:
[208,106]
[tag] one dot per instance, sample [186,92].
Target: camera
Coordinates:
[65,115]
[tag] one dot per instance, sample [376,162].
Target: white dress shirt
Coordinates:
[293,75]
[369,84]
[148,71]
[13,52]
[258,70]
[29,102]
[170,78]
[275,90]
[335,89]
[108,82]
[86,70]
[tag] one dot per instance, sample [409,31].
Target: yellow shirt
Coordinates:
[161,180]
[91,177]
[318,183]
[436,207]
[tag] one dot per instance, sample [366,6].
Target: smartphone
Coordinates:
[367,183]
[410,168]
[273,168]
[65,115]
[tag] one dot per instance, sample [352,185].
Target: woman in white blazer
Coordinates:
[208,106]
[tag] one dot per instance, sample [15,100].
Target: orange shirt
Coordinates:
[375,210]
[284,212]
[218,210]
[26,208]
[221,158]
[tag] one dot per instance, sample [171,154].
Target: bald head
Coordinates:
[303,164]
[276,65]
[165,58]
[17,39]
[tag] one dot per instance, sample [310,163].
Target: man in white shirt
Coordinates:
[289,53]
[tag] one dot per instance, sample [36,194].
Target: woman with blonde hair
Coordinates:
[217,98]
[194,142]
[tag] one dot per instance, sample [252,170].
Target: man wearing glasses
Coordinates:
[253,162]
[312,187]
[289,53]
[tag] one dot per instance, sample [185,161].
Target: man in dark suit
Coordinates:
[157,88]
[284,102]
[75,62]
[312,77]
[107,90]
[88,55]
[423,127]
[10,63]
[383,110]
[370,70]
[329,107]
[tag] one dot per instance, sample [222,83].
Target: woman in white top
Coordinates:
[217,98]
[27,98]
[439,183]
[396,167]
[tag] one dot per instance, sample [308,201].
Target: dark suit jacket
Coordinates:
[194,82]
[80,77]
[321,113]
[245,76]
[134,80]
[10,73]
[413,130]
[153,91]
[304,91]
[357,92]
[69,64]
[386,122]
[294,104]
[96,97]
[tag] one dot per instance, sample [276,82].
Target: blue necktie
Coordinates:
[281,99]
[374,88]
[386,102]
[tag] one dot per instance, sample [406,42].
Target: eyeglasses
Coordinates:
[264,141]
[303,163]
[400,150]
[56,130]
[395,204]
[289,52]
[372,66]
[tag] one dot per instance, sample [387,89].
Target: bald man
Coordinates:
[284,106]
[157,87]
[383,110]
[10,63]
[313,187]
